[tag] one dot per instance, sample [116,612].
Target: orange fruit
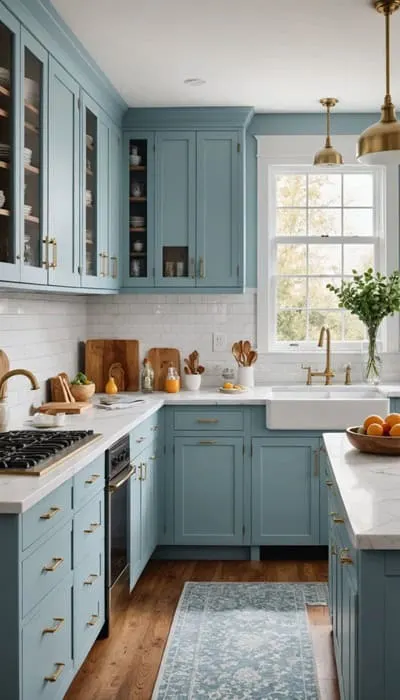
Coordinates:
[392,419]
[395,430]
[228,385]
[376,429]
[386,428]
[373,419]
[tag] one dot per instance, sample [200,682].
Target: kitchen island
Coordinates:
[364,569]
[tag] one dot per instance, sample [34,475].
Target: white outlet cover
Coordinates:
[219,342]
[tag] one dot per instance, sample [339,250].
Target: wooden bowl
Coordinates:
[82,392]
[384,445]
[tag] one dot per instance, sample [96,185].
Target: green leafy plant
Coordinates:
[371,296]
[81,379]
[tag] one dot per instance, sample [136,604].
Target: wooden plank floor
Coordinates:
[125,666]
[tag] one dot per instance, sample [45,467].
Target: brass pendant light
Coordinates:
[328,155]
[380,143]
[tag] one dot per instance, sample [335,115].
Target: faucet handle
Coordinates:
[309,375]
[347,379]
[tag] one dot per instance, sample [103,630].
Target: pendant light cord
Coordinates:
[328,127]
[387,35]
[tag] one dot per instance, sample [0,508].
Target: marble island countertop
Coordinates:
[18,493]
[369,487]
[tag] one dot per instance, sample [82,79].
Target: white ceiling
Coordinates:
[275,56]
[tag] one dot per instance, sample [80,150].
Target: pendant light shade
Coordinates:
[380,143]
[328,155]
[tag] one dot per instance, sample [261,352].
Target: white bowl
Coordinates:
[89,140]
[138,246]
[27,210]
[2,199]
[135,160]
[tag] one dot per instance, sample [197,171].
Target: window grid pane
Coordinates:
[294,323]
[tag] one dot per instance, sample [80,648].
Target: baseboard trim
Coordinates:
[202,553]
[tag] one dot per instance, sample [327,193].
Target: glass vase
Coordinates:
[371,361]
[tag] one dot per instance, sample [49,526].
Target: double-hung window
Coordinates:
[322,224]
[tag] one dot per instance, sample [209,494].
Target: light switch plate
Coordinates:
[219,342]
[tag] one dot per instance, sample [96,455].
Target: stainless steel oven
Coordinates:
[118,474]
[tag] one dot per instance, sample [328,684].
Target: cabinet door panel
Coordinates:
[115,204]
[208,491]
[63,178]
[175,208]
[135,529]
[348,641]
[34,193]
[219,205]
[285,491]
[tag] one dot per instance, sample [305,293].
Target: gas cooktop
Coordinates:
[32,453]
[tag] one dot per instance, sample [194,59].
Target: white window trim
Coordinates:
[297,151]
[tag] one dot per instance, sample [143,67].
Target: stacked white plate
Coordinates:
[31,91]
[89,140]
[137,221]
[27,210]
[88,197]
[5,151]
[27,156]
[4,76]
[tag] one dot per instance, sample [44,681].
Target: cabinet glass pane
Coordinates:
[94,264]
[33,86]
[138,208]
[6,139]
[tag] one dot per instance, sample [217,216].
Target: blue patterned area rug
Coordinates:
[241,641]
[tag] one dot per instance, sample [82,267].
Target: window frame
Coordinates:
[386,211]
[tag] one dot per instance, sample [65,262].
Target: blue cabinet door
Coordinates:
[348,641]
[323,497]
[285,491]
[219,210]
[175,220]
[135,528]
[115,206]
[208,477]
[11,166]
[64,253]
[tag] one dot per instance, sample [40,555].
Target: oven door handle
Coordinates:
[121,479]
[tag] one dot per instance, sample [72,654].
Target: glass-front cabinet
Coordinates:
[94,260]
[139,268]
[9,58]
[39,252]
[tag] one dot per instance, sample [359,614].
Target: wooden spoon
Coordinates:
[246,351]
[189,366]
[236,353]
[252,357]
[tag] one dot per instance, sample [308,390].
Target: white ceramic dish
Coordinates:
[135,160]
[232,391]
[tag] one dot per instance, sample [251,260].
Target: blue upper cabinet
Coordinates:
[10,146]
[63,232]
[115,205]
[220,260]
[175,199]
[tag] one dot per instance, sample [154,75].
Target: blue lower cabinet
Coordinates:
[285,491]
[324,485]
[348,641]
[143,511]
[209,486]
[89,604]
[47,647]
[136,557]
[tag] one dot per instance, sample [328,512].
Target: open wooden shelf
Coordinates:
[31,169]
[137,255]
[32,219]
[137,230]
[138,199]
[32,108]
[140,168]
[4,91]
[4,212]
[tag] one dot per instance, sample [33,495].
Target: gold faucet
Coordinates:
[12,373]
[328,373]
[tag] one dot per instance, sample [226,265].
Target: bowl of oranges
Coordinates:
[377,435]
[230,388]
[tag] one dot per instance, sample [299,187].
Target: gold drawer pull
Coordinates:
[208,420]
[93,620]
[55,676]
[92,479]
[143,467]
[207,442]
[344,557]
[140,439]
[57,561]
[50,513]
[154,428]
[329,483]
[90,580]
[93,527]
[336,518]
[333,550]
[52,630]
[316,462]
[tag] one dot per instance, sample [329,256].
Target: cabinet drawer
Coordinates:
[50,511]
[47,646]
[89,605]
[142,436]
[208,420]
[89,529]
[88,482]
[46,567]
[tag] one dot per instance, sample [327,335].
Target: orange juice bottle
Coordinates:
[172,381]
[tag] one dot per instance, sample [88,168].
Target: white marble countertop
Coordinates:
[369,486]
[18,493]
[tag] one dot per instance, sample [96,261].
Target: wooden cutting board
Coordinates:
[63,407]
[119,356]
[160,359]
[4,365]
